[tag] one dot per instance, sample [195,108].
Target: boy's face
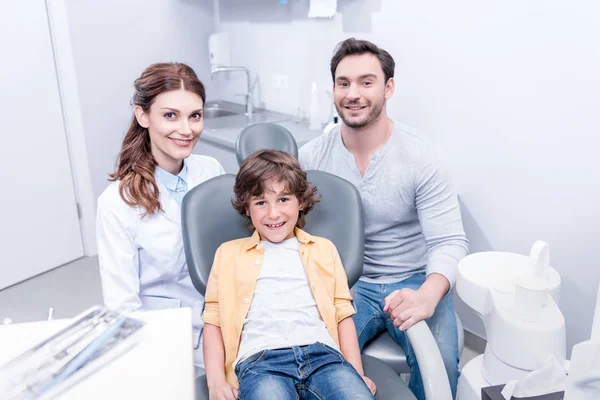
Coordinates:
[275,213]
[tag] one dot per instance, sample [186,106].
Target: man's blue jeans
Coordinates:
[370,320]
[311,372]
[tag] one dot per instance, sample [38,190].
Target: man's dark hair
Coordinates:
[353,46]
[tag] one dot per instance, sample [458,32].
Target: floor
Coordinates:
[69,289]
[75,287]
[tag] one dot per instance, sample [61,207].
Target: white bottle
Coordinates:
[331,125]
[315,121]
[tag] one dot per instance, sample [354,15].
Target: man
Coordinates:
[414,236]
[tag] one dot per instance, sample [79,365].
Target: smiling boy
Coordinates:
[278,307]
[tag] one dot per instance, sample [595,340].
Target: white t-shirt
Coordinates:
[283,312]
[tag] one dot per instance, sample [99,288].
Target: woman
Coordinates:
[140,248]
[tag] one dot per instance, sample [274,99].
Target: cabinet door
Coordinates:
[39,224]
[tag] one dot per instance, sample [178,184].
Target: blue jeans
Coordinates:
[311,372]
[370,320]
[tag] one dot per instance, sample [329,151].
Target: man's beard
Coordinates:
[372,116]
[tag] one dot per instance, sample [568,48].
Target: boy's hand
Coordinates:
[223,391]
[370,385]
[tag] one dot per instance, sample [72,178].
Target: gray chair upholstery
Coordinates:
[264,136]
[339,218]
[208,219]
[385,348]
[393,387]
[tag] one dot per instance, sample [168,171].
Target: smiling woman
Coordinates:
[168,101]
[140,249]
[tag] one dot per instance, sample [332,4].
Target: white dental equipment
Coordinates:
[583,382]
[517,298]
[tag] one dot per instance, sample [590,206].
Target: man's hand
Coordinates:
[370,385]
[222,391]
[407,306]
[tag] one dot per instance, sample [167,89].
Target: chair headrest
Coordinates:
[264,136]
[209,220]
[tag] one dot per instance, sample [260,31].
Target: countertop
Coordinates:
[160,366]
[226,137]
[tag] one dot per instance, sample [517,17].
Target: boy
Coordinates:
[277,304]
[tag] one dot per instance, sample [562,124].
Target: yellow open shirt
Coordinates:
[233,278]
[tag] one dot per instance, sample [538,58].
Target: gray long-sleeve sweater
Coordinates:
[412,217]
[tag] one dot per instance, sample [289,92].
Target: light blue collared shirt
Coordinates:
[176,185]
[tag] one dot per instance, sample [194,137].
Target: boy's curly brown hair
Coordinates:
[265,165]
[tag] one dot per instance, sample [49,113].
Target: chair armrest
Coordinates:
[431,364]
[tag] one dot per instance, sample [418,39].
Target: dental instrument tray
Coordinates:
[93,339]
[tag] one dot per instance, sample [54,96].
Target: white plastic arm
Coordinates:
[431,364]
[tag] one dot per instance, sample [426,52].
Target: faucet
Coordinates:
[221,68]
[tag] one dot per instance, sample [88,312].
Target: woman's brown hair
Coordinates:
[265,165]
[135,165]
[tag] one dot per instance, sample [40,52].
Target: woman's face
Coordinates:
[175,123]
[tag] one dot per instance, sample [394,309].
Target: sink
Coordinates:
[217,113]
[220,109]
[223,114]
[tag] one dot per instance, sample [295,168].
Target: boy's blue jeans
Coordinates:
[370,320]
[311,372]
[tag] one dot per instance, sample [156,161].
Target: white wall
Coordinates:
[510,89]
[112,42]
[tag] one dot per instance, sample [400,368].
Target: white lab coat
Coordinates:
[142,261]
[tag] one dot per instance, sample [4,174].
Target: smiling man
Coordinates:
[414,236]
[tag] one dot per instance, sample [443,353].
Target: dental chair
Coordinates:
[208,220]
[273,136]
[337,217]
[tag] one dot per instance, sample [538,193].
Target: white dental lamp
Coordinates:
[517,298]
